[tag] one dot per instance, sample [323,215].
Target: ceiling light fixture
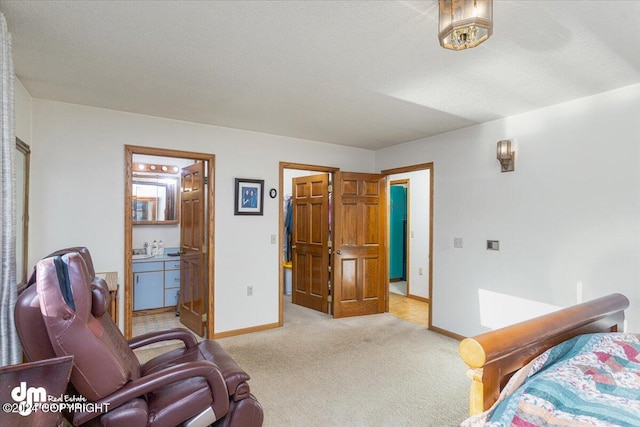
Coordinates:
[464,24]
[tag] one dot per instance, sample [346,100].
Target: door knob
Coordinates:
[339,252]
[293,246]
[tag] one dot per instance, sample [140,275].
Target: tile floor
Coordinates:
[155,322]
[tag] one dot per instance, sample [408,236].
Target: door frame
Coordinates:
[299,166]
[130,150]
[418,167]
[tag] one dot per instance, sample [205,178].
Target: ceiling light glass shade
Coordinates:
[504,150]
[465,24]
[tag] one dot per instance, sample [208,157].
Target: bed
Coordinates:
[523,350]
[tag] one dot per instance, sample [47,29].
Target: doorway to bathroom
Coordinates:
[169,199]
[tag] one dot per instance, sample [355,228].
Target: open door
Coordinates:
[310,242]
[360,257]
[192,248]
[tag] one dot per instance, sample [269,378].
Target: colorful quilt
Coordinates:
[590,380]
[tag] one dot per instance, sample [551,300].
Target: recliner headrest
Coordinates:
[99,297]
[82,250]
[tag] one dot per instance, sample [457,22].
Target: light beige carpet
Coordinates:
[367,371]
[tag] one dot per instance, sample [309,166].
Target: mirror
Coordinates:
[23,154]
[155,199]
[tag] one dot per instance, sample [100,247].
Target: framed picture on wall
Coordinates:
[249,198]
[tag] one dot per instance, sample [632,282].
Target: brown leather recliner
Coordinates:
[64,314]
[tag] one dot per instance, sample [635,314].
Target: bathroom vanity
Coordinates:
[156,282]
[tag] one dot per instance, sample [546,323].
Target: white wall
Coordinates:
[77,194]
[419,195]
[23,106]
[568,218]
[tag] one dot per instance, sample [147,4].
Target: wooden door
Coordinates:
[310,242]
[192,300]
[360,257]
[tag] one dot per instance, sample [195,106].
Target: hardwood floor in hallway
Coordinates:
[409,309]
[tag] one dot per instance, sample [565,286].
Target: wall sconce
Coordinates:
[506,156]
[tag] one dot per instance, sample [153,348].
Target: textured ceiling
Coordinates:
[367,74]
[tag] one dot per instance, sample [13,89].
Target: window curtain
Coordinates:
[10,351]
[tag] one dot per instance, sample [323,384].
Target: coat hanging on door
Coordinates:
[288,228]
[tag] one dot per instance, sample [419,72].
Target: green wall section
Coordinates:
[397,233]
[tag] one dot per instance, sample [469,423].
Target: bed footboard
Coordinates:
[494,356]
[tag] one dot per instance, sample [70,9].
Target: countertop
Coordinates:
[158,258]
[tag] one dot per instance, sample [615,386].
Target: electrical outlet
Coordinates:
[273,239]
[457,242]
[420,272]
[250,290]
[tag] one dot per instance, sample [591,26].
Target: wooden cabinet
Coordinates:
[155,284]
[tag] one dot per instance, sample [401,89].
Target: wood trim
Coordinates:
[405,169]
[305,167]
[494,356]
[243,331]
[431,169]
[22,147]
[418,298]
[280,246]
[167,152]
[447,333]
[211,247]
[128,242]
[130,150]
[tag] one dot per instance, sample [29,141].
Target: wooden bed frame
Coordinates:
[493,357]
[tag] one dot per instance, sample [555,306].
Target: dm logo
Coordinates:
[28,397]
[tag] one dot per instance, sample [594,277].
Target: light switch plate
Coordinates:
[493,245]
[457,242]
